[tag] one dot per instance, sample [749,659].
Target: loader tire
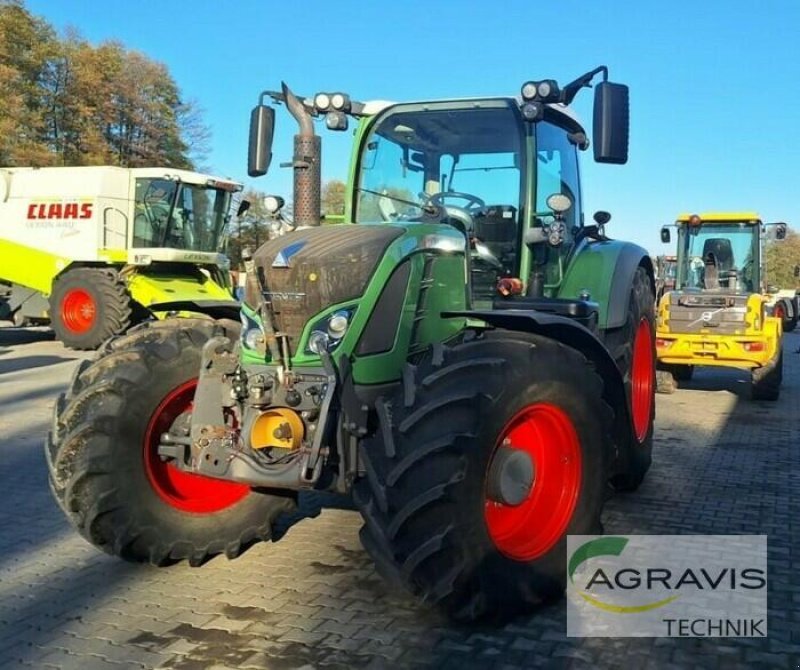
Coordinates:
[633,349]
[765,382]
[104,469]
[89,305]
[429,521]
[681,373]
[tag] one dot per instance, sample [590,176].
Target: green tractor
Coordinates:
[466,358]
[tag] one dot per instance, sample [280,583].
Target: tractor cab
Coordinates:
[479,166]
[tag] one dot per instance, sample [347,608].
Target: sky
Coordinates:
[714,84]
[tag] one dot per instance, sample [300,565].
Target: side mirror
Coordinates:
[244,205]
[665,236]
[775,231]
[611,123]
[601,218]
[262,127]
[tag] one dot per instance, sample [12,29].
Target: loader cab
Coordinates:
[719,254]
[477,165]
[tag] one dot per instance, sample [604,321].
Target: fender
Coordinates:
[605,269]
[580,338]
[216,309]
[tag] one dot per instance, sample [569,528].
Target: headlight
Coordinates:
[253,338]
[322,101]
[337,325]
[327,334]
[252,335]
[318,342]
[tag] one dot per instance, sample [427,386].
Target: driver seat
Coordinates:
[496,227]
[720,249]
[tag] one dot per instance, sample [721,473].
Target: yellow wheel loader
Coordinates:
[717,315]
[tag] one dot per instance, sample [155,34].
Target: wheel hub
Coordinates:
[510,477]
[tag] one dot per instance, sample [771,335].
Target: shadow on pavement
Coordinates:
[29,362]
[310,504]
[14,336]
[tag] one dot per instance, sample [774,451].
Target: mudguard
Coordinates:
[216,309]
[605,270]
[575,336]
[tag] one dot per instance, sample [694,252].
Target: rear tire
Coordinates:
[89,305]
[765,382]
[633,349]
[104,470]
[428,522]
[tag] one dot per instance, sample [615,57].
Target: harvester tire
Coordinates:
[429,521]
[633,349]
[765,382]
[89,305]
[104,469]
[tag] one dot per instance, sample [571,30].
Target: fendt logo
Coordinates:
[38,211]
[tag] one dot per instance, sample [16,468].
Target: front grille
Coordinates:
[308,270]
[719,315]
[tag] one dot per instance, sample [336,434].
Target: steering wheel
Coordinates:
[474,204]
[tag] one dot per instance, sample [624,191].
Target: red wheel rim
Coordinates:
[78,311]
[642,380]
[181,490]
[779,312]
[529,530]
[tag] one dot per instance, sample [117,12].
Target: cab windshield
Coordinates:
[464,157]
[178,215]
[719,256]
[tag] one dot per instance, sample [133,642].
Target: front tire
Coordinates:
[89,305]
[429,522]
[106,474]
[765,382]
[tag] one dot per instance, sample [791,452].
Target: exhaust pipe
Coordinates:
[306,164]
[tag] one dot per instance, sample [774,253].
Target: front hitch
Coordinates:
[217,448]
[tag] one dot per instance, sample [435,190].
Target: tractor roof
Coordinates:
[373,107]
[750,218]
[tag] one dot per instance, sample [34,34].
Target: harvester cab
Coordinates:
[464,356]
[716,314]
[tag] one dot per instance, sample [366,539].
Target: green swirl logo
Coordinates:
[607,546]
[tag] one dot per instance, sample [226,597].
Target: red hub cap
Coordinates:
[642,380]
[78,311]
[779,312]
[529,530]
[182,490]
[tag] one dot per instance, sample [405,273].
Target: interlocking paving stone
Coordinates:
[722,464]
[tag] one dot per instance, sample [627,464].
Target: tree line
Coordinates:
[781,257]
[67,102]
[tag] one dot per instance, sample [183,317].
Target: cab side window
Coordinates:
[557,171]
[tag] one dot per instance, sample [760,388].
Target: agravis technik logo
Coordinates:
[677,585]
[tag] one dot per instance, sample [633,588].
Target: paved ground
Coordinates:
[312,600]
